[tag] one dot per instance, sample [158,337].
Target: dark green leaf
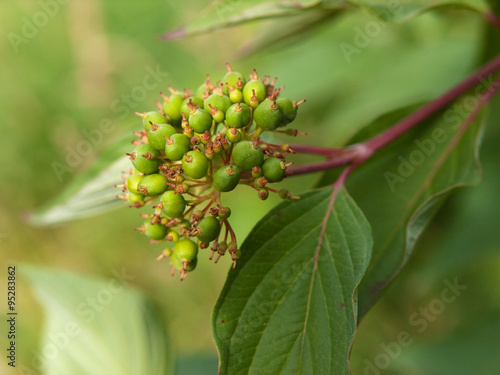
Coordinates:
[290,305]
[402,186]
[227,13]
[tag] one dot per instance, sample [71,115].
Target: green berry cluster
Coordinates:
[197,145]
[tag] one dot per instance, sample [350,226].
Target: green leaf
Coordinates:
[97,326]
[290,305]
[91,193]
[398,12]
[403,185]
[287,31]
[228,13]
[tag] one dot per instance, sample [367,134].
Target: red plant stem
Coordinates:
[431,108]
[317,150]
[359,153]
[493,19]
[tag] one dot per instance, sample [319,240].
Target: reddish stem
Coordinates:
[357,154]
[493,19]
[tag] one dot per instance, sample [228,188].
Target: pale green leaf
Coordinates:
[97,327]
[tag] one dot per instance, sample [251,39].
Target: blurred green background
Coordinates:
[91,57]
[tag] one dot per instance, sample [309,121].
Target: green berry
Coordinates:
[273,170]
[176,146]
[248,154]
[152,117]
[144,159]
[156,231]
[186,250]
[200,120]
[226,178]
[221,102]
[235,96]
[177,263]
[224,212]
[200,91]
[267,115]
[195,164]
[135,198]
[232,78]
[263,193]
[233,135]
[172,108]
[133,182]
[172,236]
[238,115]
[174,204]
[158,133]
[288,110]
[152,185]
[208,229]
[257,87]
[194,100]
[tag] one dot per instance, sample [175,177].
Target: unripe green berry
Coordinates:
[288,110]
[158,133]
[177,263]
[221,102]
[200,91]
[235,79]
[267,115]
[226,178]
[195,164]
[236,96]
[176,146]
[224,212]
[172,236]
[172,108]
[233,135]
[263,193]
[144,159]
[257,87]
[152,117]
[256,172]
[273,169]
[136,199]
[248,154]
[174,204]
[132,182]
[185,108]
[200,120]
[186,249]
[152,185]
[208,229]
[284,194]
[155,231]
[238,115]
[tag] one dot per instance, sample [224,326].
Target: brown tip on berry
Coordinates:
[229,70]
[239,83]
[132,155]
[141,115]
[172,91]
[296,104]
